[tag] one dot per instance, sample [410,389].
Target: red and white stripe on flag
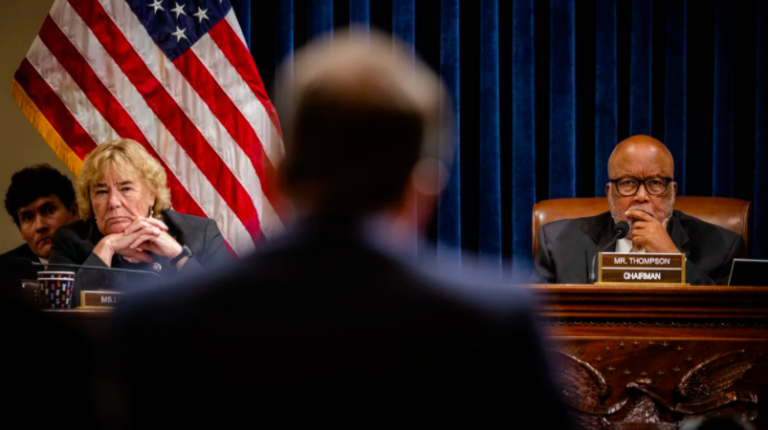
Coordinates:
[98,71]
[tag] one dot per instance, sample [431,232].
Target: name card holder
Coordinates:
[640,268]
[99,299]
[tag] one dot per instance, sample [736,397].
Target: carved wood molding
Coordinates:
[706,389]
[578,322]
[672,302]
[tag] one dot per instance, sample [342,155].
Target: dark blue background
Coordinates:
[544,90]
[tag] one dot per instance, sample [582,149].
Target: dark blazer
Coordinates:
[74,244]
[13,271]
[324,326]
[566,248]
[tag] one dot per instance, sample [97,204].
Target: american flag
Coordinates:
[177,77]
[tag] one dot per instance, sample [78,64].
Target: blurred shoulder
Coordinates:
[704,233]
[696,225]
[181,220]
[473,284]
[574,226]
[553,229]
[20,251]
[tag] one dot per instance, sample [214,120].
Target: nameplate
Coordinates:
[640,268]
[100,299]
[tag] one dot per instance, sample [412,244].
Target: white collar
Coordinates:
[625,245]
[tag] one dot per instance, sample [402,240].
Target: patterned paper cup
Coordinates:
[55,274]
[56,289]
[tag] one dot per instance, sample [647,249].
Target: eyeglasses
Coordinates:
[654,186]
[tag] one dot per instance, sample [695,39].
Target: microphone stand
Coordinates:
[593,275]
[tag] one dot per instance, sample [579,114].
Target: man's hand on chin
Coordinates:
[650,234]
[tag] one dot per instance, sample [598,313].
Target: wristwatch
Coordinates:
[185,252]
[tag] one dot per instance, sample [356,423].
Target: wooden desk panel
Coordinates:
[635,356]
[638,343]
[92,322]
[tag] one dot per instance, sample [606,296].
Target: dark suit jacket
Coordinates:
[74,244]
[566,248]
[13,271]
[323,326]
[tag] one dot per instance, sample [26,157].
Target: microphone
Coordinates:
[26,261]
[619,232]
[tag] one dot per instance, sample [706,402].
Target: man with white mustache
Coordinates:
[641,191]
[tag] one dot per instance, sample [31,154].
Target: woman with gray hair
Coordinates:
[127,222]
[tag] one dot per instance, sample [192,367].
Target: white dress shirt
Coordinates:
[625,245]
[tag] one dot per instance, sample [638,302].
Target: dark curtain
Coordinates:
[544,90]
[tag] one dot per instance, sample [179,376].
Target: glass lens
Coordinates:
[656,185]
[627,186]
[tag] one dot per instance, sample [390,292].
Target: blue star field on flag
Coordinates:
[176,25]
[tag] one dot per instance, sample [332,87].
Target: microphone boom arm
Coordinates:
[619,232]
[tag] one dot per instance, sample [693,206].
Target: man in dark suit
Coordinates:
[332,323]
[40,200]
[46,364]
[641,192]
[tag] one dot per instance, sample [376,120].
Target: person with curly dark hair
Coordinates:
[40,199]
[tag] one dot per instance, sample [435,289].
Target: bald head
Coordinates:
[358,115]
[642,157]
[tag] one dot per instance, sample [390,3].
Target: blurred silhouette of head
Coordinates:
[361,127]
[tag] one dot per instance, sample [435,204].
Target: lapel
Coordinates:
[94,235]
[677,233]
[599,230]
[602,233]
[171,219]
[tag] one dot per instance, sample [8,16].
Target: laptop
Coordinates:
[750,273]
